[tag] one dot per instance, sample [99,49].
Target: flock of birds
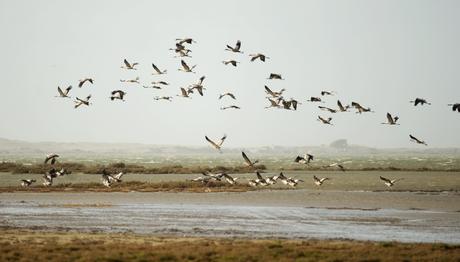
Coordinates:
[275,98]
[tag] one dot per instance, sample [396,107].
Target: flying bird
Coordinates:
[135,80]
[52,158]
[306,159]
[259,56]
[79,102]
[64,93]
[232,62]
[235,49]
[83,81]
[360,108]
[325,121]
[129,66]
[319,181]
[455,107]
[160,83]
[327,109]
[158,71]
[186,68]
[184,93]
[390,182]
[217,145]
[391,120]
[273,103]
[169,98]
[248,161]
[229,179]
[418,141]
[227,94]
[230,107]
[420,101]
[118,94]
[341,107]
[275,76]
[185,40]
[27,182]
[315,99]
[327,93]
[341,167]
[274,94]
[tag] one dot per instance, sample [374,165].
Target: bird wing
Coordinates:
[222,140]
[156,68]
[385,179]
[246,159]
[126,63]
[414,138]
[269,91]
[340,105]
[184,65]
[298,158]
[390,118]
[259,176]
[231,95]
[316,179]
[60,91]
[212,142]
[238,45]
[184,92]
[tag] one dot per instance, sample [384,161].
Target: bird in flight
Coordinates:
[235,49]
[227,94]
[184,93]
[52,158]
[27,182]
[129,66]
[188,40]
[319,181]
[360,108]
[341,107]
[217,145]
[306,159]
[230,107]
[274,94]
[135,80]
[275,76]
[325,121]
[420,101]
[64,93]
[418,141]
[248,161]
[186,68]
[168,98]
[327,109]
[327,93]
[83,81]
[232,62]
[158,71]
[79,102]
[389,182]
[259,56]
[455,107]
[118,94]
[315,99]
[391,120]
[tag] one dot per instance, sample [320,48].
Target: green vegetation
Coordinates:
[21,245]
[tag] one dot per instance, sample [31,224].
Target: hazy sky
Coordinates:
[379,53]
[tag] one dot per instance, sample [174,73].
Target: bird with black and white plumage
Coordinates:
[282,178]
[184,93]
[164,83]
[108,179]
[227,94]
[253,182]
[64,93]
[152,86]
[118,94]
[391,120]
[419,101]
[330,110]
[230,107]
[78,101]
[260,180]
[274,94]
[325,121]
[182,52]
[231,180]
[81,82]
[231,62]
[186,40]
[129,66]
[27,182]
[61,172]
[286,104]
[259,56]
[273,76]
[235,49]
[47,180]
[168,98]
[214,176]
[186,68]
[390,182]
[305,159]
[248,161]
[315,99]
[197,87]
[52,158]
[341,107]
[293,182]
[360,108]
[157,71]
[319,181]
[134,80]
[327,93]
[455,107]
[273,103]
[418,141]
[341,167]
[217,145]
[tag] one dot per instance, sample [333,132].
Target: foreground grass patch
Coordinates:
[18,245]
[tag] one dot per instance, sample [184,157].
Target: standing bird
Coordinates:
[275,76]
[232,62]
[235,49]
[216,145]
[318,181]
[391,120]
[27,182]
[325,121]
[64,93]
[186,68]
[455,107]
[248,161]
[158,71]
[418,141]
[230,107]
[341,107]
[420,101]
[52,158]
[389,182]
[78,102]
[129,66]
[259,56]
[118,94]
[83,81]
[306,159]
[227,94]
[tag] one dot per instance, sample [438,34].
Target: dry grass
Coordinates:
[171,186]
[20,245]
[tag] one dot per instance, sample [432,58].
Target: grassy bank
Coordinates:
[24,245]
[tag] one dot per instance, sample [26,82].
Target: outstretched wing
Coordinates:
[212,142]
[316,179]
[184,65]
[156,68]
[246,159]
[385,179]
[126,63]
[60,91]
[390,118]
[222,140]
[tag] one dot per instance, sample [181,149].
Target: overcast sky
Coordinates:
[379,53]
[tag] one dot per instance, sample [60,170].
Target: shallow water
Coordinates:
[240,221]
